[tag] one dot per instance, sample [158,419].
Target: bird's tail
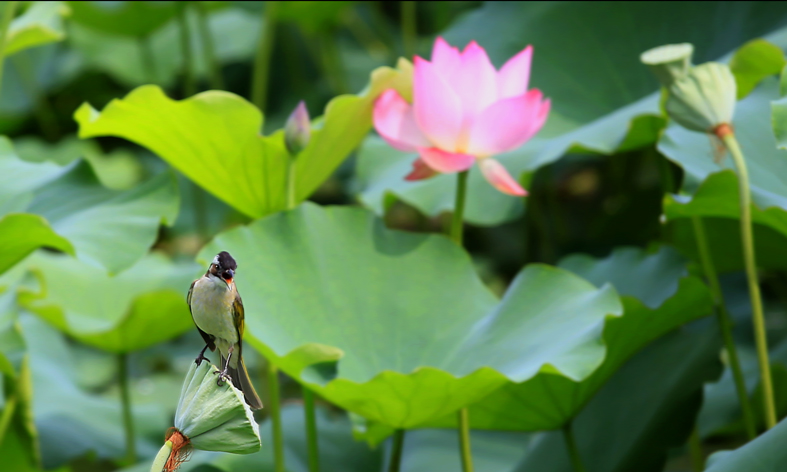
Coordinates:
[241,381]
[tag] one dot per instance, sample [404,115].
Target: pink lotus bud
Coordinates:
[297,131]
[464,111]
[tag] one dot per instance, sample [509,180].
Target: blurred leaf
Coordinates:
[753,62]
[493,451]
[19,445]
[764,454]
[214,139]
[70,421]
[657,295]
[139,307]
[21,234]
[107,228]
[313,17]
[377,355]
[645,410]
[41,23]
[137,19]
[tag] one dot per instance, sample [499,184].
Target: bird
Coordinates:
[217,311]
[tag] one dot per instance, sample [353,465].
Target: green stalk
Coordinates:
[291,183]
[275,412]
[408,29]
[396,451]
[464,441]
[125,399]
[259,90]
[189,83]
[8,15]
[148,59]
[8,414]
[161,458]
[758,319]
[214,69]
[311,430]
[571,445]
[725,324]
[695,451]
[459,208]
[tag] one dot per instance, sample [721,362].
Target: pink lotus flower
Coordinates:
[463,111]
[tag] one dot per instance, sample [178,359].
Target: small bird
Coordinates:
[217,310]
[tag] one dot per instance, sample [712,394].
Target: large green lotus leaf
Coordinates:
[398,327]
[658,296]
[123,18]
[108,228]
[645,410]
[21,234]
[121,57]
[753,62]
[764,454]
[602,96]
[139,307]
[41,23]
[438,449]
[70,421]
[214,139]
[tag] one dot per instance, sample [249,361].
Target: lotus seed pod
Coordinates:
[213,417]
[669,62]
[704,98]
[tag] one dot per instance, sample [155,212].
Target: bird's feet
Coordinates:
[223,377]
[199,359]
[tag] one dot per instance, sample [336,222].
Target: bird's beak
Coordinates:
[229,281]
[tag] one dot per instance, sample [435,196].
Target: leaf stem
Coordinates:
[396,452]
[571,445]
[8,414]
[457,218]
[464,440]
[747,238]
[148,59]
[725,324]
[189,83]
[695,451]
[214,68]
[291,183]
[8,15]
[311,430]
[259,91]
[408,28]
[275,415]
[125,399]
[161,458]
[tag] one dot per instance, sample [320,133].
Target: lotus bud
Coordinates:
[209,417]
[669,62]
[297,131]
[704,99]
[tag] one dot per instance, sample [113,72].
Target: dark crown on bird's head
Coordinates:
[226,261]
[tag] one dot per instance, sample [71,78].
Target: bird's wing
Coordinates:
[205,336]
[239,317]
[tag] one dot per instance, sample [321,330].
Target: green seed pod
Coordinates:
[704,98]
[669,62]
[215,418]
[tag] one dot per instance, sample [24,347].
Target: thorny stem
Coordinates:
[459,208]
[214,69]
[275,412]
[311,430]
[259,91]
[161,458]
[571,445]
[189,83]
[396,451]
[125,398]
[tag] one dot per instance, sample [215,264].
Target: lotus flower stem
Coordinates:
[747,238]
[459,208]
[291,183]
[8,414]
[275,415]
[695,451]
[148,59]
[189,83]
[8,15]
[408,28]
[125,398]
[259,91]
[396,451]
[161,458]
[571,445]
[311,430]
[464,441]
[216,79]
[725,325]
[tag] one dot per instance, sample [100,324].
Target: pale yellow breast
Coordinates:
[211,307]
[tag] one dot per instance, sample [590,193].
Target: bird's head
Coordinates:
[223,267]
